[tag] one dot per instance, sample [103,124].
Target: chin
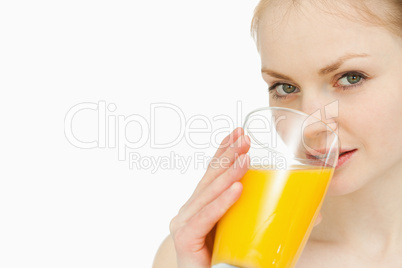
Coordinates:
[343,185]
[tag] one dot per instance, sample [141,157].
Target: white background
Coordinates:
[63,206]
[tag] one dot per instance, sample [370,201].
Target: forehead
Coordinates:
[308,33]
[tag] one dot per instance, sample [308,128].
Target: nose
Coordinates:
[313,128]
[321,107]
[320,129]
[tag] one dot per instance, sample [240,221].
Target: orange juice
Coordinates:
[270,223]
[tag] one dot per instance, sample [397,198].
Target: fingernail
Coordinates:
[237,142]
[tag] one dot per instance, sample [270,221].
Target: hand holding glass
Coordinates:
[292,157]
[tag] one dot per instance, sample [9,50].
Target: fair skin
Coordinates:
[362,223]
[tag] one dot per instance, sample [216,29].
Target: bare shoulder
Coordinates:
[166,255]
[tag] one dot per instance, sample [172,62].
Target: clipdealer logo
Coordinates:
[113,132]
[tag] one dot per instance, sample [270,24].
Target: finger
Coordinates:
[232,153]
[217,166]
[216,188]
[202,223]
[228,140]
[225,160]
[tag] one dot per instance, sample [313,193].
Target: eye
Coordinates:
[350,79]
[282,90]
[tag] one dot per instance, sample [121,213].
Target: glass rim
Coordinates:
[285,109]
[304,160]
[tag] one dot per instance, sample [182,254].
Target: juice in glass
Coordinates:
[270,223]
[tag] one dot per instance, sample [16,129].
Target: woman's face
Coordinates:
[350,72]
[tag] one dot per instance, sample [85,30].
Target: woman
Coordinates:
[314,53]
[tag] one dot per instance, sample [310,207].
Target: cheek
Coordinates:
[373,120]
[385,117]
[373,124]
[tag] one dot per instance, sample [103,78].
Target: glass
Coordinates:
[293,156]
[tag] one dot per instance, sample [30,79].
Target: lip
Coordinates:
[344,156]
[320,154]
[316,154]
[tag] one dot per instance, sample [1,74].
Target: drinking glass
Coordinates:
[292,159]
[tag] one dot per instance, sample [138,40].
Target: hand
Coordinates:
[193,228]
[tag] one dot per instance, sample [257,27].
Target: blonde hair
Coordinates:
[389,15]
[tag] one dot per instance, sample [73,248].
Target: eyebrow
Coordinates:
[335,66]
[326,70]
